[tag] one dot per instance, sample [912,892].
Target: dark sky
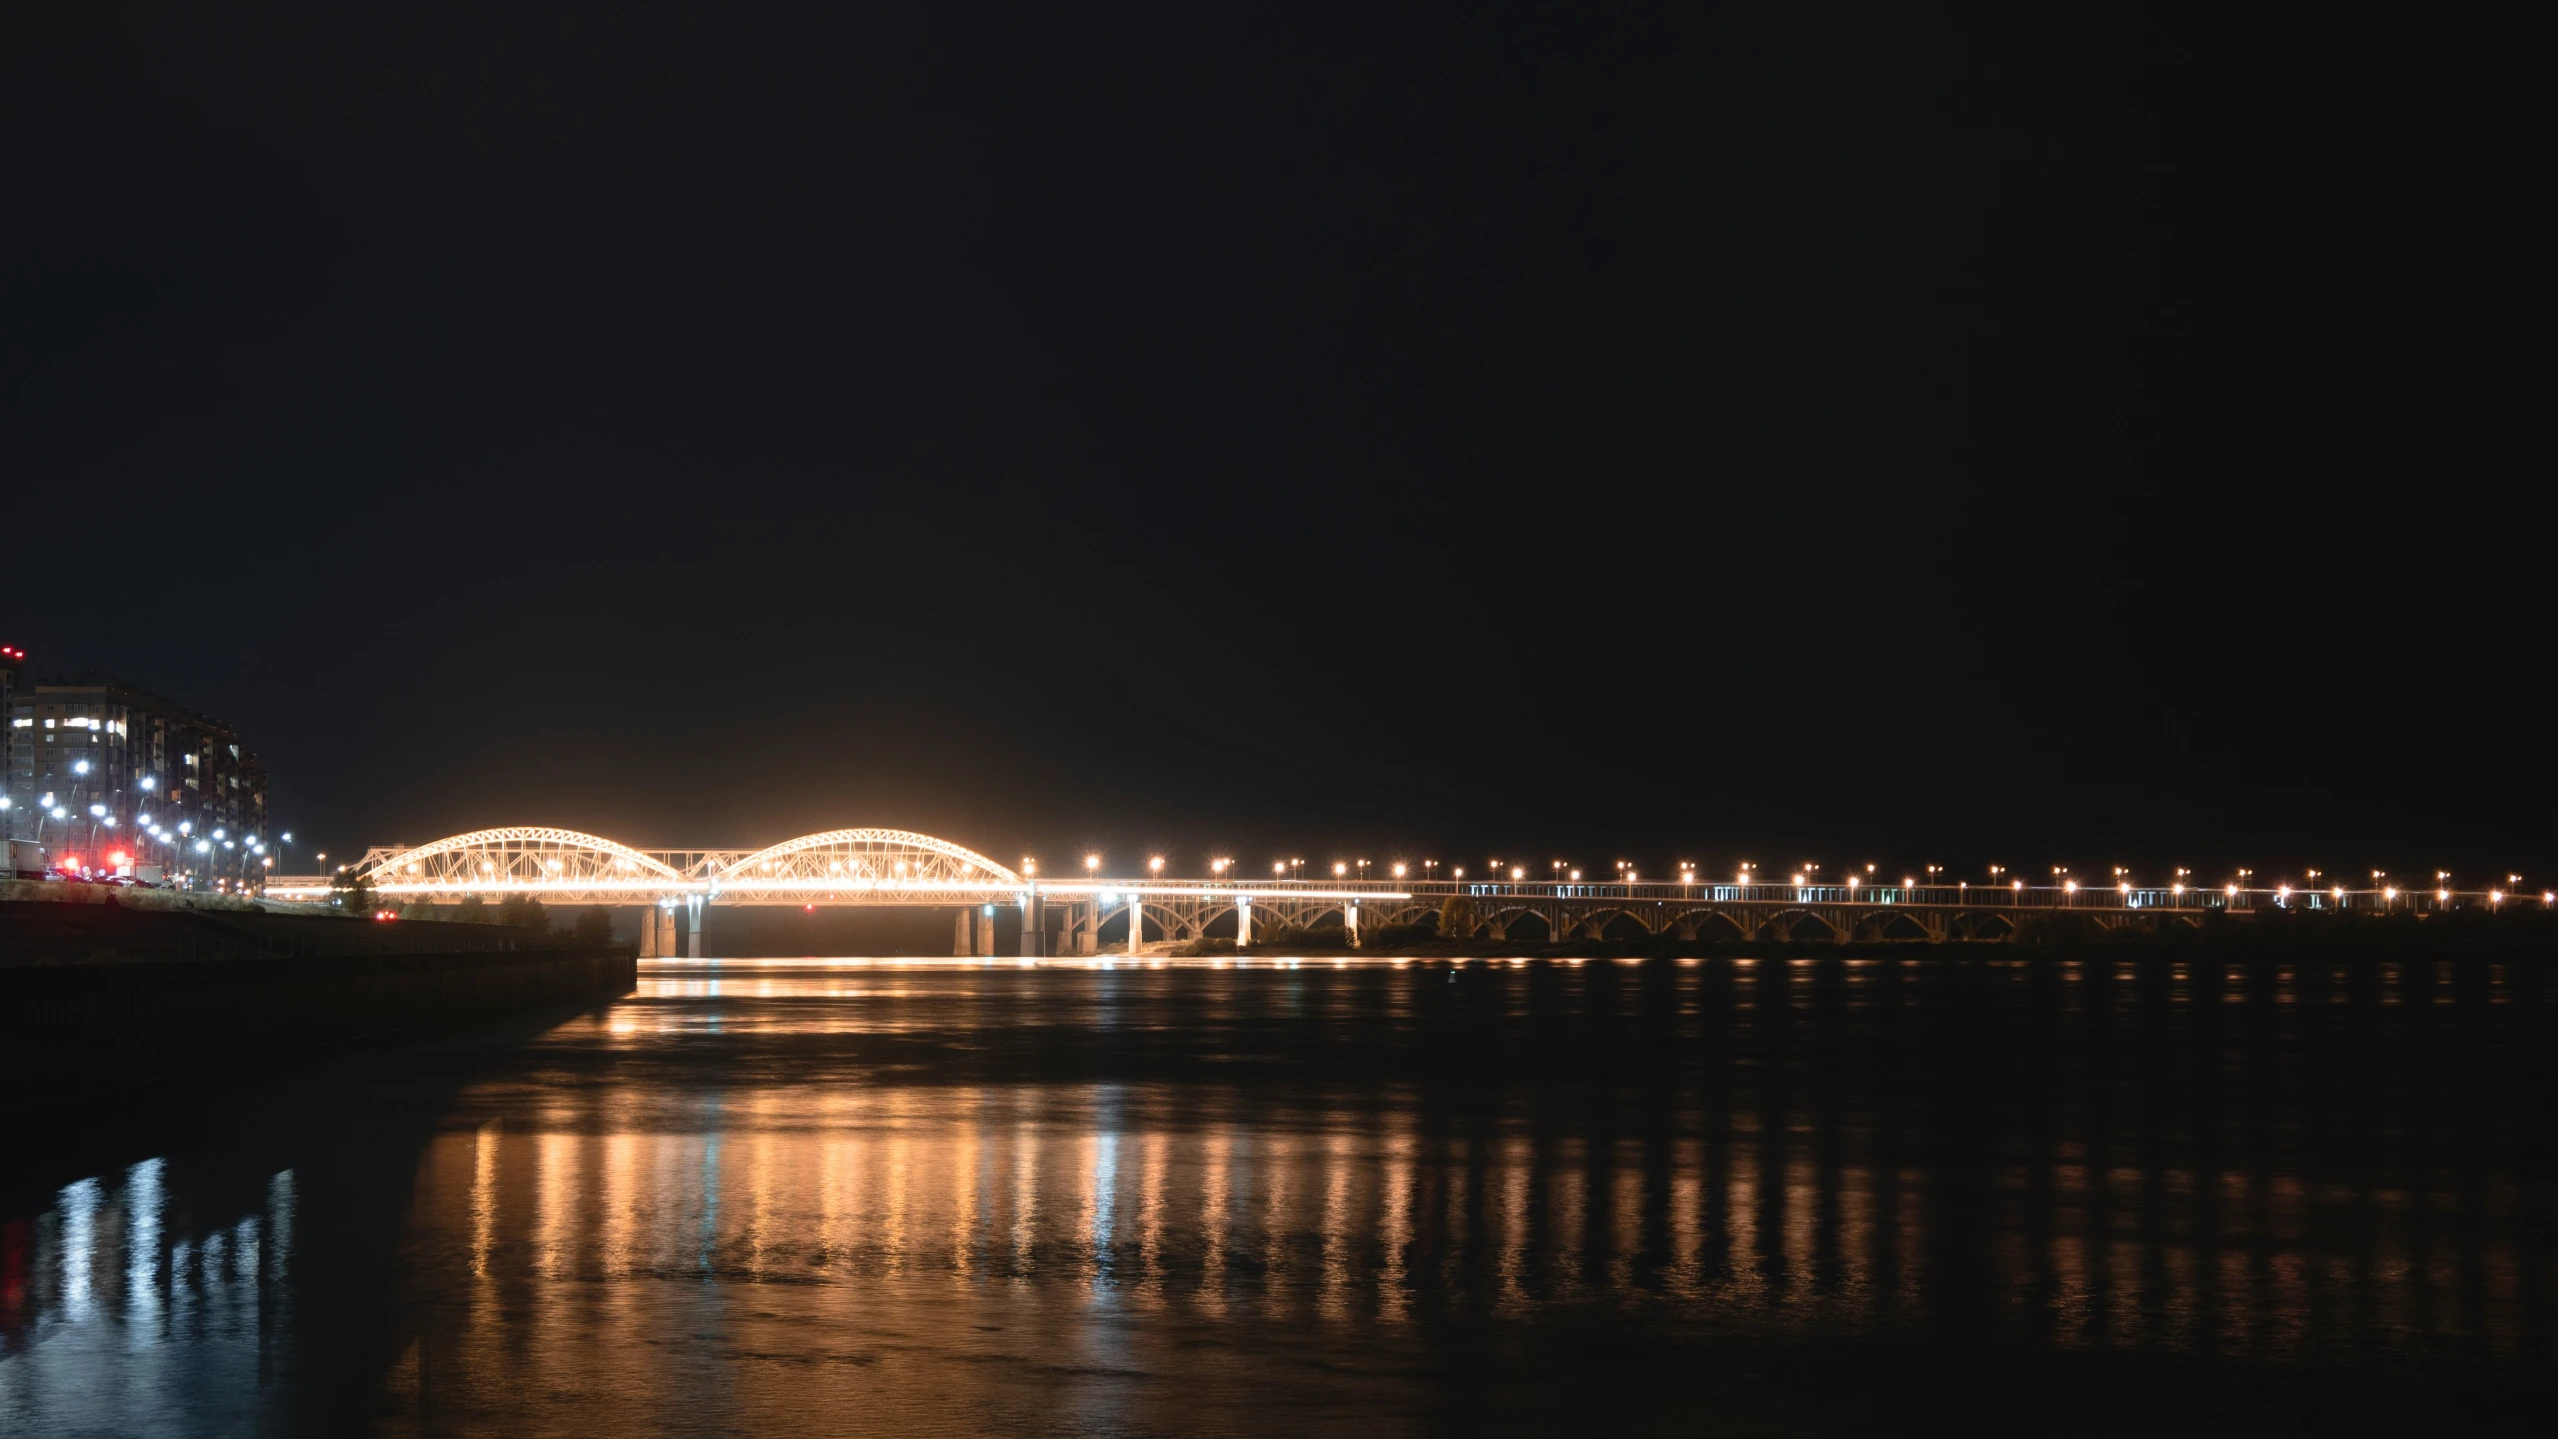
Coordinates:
[2079,436]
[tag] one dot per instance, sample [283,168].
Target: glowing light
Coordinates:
[1092,862]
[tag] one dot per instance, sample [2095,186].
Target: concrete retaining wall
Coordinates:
[74,1030]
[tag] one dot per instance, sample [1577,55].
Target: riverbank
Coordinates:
[99,1000]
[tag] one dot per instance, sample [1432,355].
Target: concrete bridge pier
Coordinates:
[1350,922]
[973,932]
[1243,921]
[694,904]
[1034,926]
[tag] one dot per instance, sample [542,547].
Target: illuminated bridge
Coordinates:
[993,903]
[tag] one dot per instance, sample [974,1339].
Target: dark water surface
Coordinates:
[890,1197]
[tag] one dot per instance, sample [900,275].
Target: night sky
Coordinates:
[2083,436]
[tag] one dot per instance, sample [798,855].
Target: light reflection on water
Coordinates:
[953,1196]
[110,1322]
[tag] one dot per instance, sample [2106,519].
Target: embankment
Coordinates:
[98,999]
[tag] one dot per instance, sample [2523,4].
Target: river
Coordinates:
[944,1197]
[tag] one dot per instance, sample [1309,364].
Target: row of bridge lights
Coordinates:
[1561,872]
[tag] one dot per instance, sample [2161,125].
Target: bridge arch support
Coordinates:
[523,859]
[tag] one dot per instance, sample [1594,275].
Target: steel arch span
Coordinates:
[883,866]
[550,863]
